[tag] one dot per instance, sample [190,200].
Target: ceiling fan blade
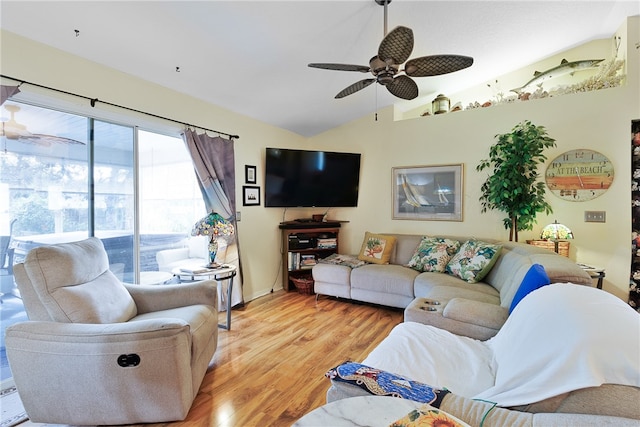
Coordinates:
[403,87]
[341,67]
[436,64]
[397,45]
[48,140]
[349,90]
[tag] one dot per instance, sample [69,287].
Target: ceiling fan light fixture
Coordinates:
[385,78]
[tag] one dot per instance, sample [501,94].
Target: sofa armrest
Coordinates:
[150,298]
[478,412]
[168,256]
[476,312]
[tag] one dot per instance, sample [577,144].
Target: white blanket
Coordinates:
[435,357]
[564,337]
[560,338]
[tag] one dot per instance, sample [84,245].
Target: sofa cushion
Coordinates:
[433,254]
[331,273]
[387,279]
[425,283]
[473,260]
[447,293]
[535,278]
[475,312]
[404,248]
[376,248]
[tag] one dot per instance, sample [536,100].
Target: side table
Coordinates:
[596,273]
[224,272]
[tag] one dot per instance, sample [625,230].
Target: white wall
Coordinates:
[597,120]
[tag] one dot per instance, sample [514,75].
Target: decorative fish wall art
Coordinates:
[565,67]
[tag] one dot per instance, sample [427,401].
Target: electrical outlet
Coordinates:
[595,216]
[238,216]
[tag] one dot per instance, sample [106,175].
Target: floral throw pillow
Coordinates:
[376,248]
[473,260]
[433,254]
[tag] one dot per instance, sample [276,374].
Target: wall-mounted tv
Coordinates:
[304,178]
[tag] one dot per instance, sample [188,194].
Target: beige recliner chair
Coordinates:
[97,351]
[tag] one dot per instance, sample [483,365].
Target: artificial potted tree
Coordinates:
[513,187]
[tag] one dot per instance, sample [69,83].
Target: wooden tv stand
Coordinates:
[300,241]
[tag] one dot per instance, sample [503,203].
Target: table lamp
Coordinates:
[212,225]
[556,232]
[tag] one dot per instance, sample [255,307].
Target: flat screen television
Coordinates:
[304,178]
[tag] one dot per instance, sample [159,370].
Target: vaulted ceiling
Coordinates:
[251,56]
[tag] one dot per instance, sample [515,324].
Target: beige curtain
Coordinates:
[214,163]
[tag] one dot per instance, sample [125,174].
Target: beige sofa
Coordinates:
[550,365]
[477,310]
[96,351]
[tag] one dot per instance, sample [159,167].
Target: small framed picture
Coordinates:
[250,174]
[250,195]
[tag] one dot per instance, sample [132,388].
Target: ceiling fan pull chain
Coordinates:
[376,115]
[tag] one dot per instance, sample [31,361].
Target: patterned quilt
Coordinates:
[384,383]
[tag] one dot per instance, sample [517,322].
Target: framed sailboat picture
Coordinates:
[431,193]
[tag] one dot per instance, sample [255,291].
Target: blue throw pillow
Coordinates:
[535,278]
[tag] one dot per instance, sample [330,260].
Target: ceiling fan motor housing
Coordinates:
[384,72]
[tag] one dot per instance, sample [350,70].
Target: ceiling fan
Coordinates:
[394,50]
[13,130]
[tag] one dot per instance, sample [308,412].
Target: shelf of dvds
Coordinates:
[303,246]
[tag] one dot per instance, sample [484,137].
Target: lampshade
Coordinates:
[212,225]
[556,232]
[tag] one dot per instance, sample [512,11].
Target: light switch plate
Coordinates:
[595,216]
[238,216]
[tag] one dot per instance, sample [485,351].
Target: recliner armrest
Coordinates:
[92,333]
[150,298]
[476,312]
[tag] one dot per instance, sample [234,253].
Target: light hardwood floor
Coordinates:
[269,369]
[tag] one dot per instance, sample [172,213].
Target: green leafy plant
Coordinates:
[513,186]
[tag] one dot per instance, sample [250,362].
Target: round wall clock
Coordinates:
[579,175]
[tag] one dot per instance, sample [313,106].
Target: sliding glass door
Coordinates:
[64,177]
[112,211]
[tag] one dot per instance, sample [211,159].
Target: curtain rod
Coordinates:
[93,102]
